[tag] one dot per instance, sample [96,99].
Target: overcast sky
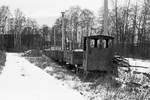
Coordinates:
[40,8]
[51,8]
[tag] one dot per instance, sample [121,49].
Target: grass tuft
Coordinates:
[99,86]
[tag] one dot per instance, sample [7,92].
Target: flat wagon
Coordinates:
[74,57]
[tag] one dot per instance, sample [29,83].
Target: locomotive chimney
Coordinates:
[105,17]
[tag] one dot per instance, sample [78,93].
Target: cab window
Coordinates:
[104,43]
[110,42]
[92,43]
[101,43]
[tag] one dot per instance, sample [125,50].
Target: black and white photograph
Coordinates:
[74,49]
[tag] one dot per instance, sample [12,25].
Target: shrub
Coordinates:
[33,53]
[2,59]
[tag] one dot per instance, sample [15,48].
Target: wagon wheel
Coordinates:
[77,69]
[85,75]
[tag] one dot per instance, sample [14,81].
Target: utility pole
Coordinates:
[105,17]
[116,7]
[63,33]
[54,36]
[72,42]
[134,26]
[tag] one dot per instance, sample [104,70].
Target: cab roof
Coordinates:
[99,37]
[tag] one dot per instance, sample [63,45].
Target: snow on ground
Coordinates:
[21,80]
[140,65]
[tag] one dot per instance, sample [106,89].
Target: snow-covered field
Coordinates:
[21,80]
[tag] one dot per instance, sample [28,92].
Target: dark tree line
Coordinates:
[18,25]
[129,24]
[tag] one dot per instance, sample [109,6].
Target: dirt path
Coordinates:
[21,80]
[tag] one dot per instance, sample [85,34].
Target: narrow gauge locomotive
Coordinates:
[96,55]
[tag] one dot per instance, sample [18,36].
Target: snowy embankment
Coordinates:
[139,65]
[21,80]
[98,86]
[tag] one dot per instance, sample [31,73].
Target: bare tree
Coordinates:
[4,15]
[19,24]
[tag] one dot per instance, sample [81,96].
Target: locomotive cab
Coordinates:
[98,53]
